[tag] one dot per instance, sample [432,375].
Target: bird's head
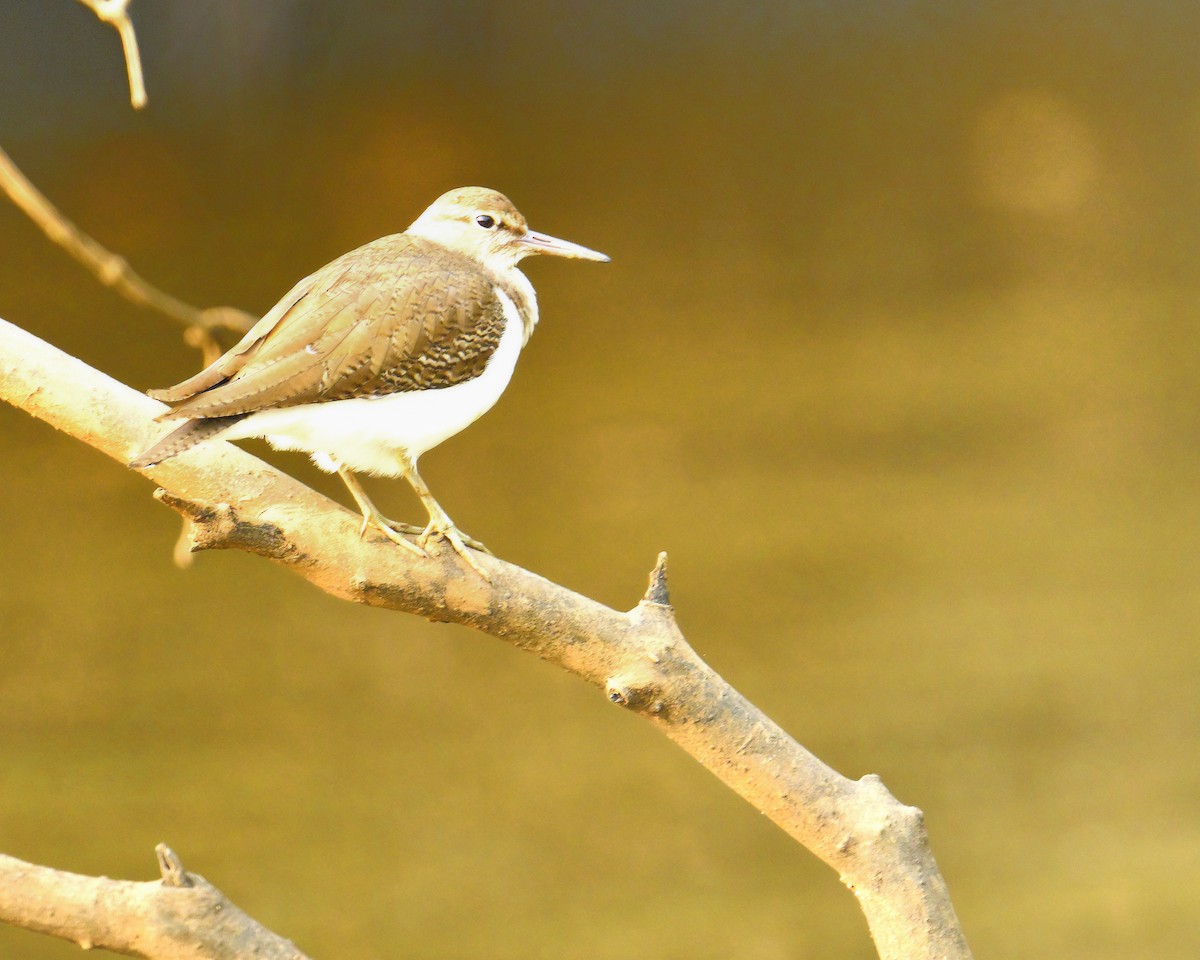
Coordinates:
[484,225]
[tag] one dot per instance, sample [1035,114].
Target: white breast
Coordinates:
[368,435]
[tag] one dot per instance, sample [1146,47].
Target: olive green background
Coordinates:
[896,356]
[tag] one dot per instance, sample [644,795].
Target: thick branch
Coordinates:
[640,658]
[181,917]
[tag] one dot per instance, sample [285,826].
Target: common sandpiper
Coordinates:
[380,355]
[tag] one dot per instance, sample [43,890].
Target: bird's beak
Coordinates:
[540,243]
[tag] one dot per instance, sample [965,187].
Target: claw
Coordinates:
[388,529]
[459,541]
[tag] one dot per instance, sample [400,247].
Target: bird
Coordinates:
[380,355]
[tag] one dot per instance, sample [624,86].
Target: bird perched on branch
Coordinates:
[380,355]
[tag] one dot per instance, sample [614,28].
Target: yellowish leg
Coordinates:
[371,515]
[440,523]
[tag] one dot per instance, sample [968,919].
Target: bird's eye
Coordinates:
[485,221]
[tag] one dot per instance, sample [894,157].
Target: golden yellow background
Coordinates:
[896,356]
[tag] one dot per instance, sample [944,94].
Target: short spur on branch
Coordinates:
[380,355]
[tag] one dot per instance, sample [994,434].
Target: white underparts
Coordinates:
[376,435]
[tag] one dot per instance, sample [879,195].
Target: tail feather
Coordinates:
[183,438]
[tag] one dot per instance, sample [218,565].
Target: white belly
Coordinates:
[373,435]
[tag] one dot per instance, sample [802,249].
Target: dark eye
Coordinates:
[485,221]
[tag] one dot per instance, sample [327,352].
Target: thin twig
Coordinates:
[114,12]
[111,269]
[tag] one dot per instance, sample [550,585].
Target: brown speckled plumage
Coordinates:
[380,355]
[398,314]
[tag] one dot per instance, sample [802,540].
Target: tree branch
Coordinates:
[181,917]
[639,658]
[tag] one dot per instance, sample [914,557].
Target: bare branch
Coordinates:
[113,271]
[640,658]
[181,917]
[114,12]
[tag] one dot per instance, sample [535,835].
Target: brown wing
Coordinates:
[396,315]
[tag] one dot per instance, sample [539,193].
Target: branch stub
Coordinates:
[657,591]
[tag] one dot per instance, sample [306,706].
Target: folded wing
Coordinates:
[396,315]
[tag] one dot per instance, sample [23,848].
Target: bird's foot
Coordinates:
[451,533]
[400,532]
[411,529]
[394,531]
[462,544]
[423,533]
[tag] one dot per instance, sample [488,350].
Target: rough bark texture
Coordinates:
[181,917]
[639,658]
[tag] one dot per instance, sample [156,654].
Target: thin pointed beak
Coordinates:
[540,243]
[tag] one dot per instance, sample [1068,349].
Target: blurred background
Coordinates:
[896,356]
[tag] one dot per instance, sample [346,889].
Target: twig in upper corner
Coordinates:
[113,270]
[114,12]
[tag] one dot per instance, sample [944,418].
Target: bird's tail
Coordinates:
[183,438]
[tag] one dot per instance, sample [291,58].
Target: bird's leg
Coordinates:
[440,523]
[371,514]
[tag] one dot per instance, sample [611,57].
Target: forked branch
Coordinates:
[639,658]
